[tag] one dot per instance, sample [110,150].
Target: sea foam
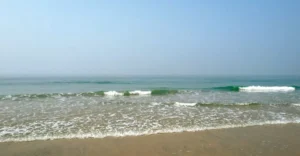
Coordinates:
[267,89]
[98,134]
[139,92]
[184,104]
[112,93]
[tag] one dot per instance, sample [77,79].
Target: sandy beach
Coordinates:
[255,140]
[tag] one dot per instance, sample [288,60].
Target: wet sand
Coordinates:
[270,140]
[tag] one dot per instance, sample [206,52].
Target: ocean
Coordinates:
[95,107]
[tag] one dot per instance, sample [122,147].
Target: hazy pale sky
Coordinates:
[92,37]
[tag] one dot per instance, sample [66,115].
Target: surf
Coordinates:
[256,88]
[267,89]
[91,94]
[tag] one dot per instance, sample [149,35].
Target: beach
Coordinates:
[149,78]
[154,116]
[253,140]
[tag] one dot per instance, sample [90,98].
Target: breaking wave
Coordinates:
[267,89]
[96,93]
[257,88]
[228,88]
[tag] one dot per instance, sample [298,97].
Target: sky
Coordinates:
[158,37]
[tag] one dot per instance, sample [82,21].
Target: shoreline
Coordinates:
[277,139]
[132,134]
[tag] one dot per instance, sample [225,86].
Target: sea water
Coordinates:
[41,108]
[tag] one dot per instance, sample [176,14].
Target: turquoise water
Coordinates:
[86,84]
[80,107]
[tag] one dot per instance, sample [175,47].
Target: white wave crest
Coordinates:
[155,103]
[267,89]
[113,93]
[243,104]
[139,92]
[184,104]
[7,97]
[296,104]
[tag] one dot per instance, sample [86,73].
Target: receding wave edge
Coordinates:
[133,133]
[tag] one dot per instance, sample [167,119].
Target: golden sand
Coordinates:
[270,140]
